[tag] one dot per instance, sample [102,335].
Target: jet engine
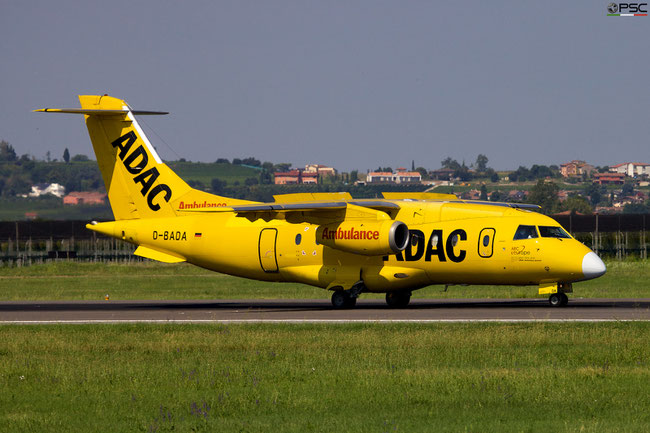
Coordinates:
[370,238]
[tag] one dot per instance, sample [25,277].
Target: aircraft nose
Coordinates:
[592,266]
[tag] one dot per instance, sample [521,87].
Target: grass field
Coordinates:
[205,172]
[338,378]
[149,280]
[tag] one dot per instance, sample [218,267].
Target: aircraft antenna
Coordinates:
[140,120]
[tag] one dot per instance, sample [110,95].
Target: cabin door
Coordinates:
[486,243]
[268,259]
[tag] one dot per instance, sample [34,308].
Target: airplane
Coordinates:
[394,245]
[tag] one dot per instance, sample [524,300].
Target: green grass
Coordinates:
[148,280]
[338,378]
[205,172]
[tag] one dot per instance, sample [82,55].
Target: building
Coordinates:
[319,169]
[295,177]
[609,178]
[309,178]
[576,168]
[287,177]
[632,169]
[379,177]
[46,188]
[79,197]
[402,176]
[442,174]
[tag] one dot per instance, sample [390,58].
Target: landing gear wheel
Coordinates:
[398,299]
[558,300]
[341,299]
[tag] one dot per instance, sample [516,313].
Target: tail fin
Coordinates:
[138,183]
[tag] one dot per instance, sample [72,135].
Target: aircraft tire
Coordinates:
[555,300]
[341,300]
[564,299]
[398,299]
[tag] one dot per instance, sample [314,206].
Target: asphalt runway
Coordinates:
[321,311]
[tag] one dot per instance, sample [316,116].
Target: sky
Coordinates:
[351,84]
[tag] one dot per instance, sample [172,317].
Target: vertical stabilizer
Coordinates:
[138,183]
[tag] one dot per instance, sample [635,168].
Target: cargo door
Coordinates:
[486,243]
[268,260]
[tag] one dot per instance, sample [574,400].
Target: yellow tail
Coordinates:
[138,183]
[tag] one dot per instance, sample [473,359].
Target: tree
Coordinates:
[494,177]
[80,158]
[545,195]
[282,166]
[412,165]
[628,189]
[423,172]
[7,152]
[463,173]
[594,191]
[484,195]
[217,185]
[222,161]
[66,155]
[577,204]
[636,208]
[251,161]
[236,161]
[251,181]
[354,176]
[450,163]
[481,163]
[496,196]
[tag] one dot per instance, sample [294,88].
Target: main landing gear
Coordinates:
[398,299]
[558,300]
[342,299]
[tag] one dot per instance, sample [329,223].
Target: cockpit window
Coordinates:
[525,232]
[553,232]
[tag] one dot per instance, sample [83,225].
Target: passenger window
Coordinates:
[486,242]
[553,232]
[525,232]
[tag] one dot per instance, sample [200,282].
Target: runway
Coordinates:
[321,311]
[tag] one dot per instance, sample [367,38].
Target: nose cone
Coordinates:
[592,266]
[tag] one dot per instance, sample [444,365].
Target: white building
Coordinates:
[46,188]
[631,169]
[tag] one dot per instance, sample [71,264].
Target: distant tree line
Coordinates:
[18,174]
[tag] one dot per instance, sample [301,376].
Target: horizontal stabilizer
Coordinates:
[98,112]
[150,253]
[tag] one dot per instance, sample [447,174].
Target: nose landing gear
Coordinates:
[558,300]
[557,292]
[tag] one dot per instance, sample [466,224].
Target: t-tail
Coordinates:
[139,184]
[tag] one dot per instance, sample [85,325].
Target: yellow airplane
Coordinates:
[394,245]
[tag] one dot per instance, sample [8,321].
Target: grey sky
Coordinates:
[353,84]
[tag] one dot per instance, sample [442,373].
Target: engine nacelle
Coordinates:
[370,238]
